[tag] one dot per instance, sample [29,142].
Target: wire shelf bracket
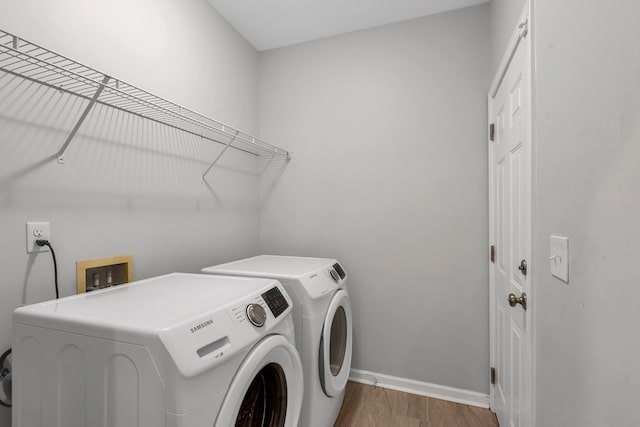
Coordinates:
[34,63]
[83,116]
[204,175]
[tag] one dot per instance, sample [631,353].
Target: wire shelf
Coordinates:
[29,61]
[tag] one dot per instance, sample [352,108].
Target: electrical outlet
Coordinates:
[37,231]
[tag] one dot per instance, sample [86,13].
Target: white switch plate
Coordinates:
[37,231]
[559,257]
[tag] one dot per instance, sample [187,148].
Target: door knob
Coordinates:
[522,300]
[523,267]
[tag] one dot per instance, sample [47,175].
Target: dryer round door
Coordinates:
[335,345]
[267,389]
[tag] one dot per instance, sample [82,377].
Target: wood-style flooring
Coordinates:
[369,406]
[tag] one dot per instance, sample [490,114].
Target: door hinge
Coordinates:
[492,253]
[524,27]
[493,375]
[492,132]
[523,267]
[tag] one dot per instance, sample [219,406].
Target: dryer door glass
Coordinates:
[336,345]
[265,402]
[338,341]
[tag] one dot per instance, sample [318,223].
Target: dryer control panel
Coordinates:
[338,269]
[325,281]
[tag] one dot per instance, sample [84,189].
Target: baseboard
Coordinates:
[436,391]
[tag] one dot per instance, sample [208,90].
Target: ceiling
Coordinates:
[269,24]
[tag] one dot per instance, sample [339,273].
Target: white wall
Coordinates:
[588,148]
[387,129]
[504,19]
[127,186]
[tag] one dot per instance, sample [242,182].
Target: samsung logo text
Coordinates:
[201,326]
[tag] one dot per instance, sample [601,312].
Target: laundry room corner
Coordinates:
[319,213]
[388,135]
[126,185]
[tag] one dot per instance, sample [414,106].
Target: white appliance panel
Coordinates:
[275,266]
[158,352]
[314,274]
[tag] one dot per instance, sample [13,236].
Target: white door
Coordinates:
[510,235]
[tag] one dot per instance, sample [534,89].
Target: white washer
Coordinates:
[181,350]
[322,318]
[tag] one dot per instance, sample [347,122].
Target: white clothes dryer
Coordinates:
[180,350]
[322,319]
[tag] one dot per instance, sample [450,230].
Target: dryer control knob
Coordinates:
[334,275]
[256,315]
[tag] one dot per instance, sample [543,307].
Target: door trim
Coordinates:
[516,39]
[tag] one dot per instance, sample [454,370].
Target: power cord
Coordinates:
[4,373]
[55,264]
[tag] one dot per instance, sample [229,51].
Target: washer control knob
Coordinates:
[256,315]
[334,275]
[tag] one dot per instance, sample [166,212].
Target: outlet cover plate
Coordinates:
[37,231]
[559,257]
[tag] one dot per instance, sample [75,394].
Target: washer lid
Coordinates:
[272,266]
[200,321]
[147,305]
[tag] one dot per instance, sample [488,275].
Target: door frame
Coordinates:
[517,38]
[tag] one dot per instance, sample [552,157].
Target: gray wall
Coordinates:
[127,186]
[387,129]
[587,128]
[588,133]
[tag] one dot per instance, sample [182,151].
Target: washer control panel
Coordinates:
[243,312]
[227,322]
[276,302]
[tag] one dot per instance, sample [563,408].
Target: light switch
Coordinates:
[559,257]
